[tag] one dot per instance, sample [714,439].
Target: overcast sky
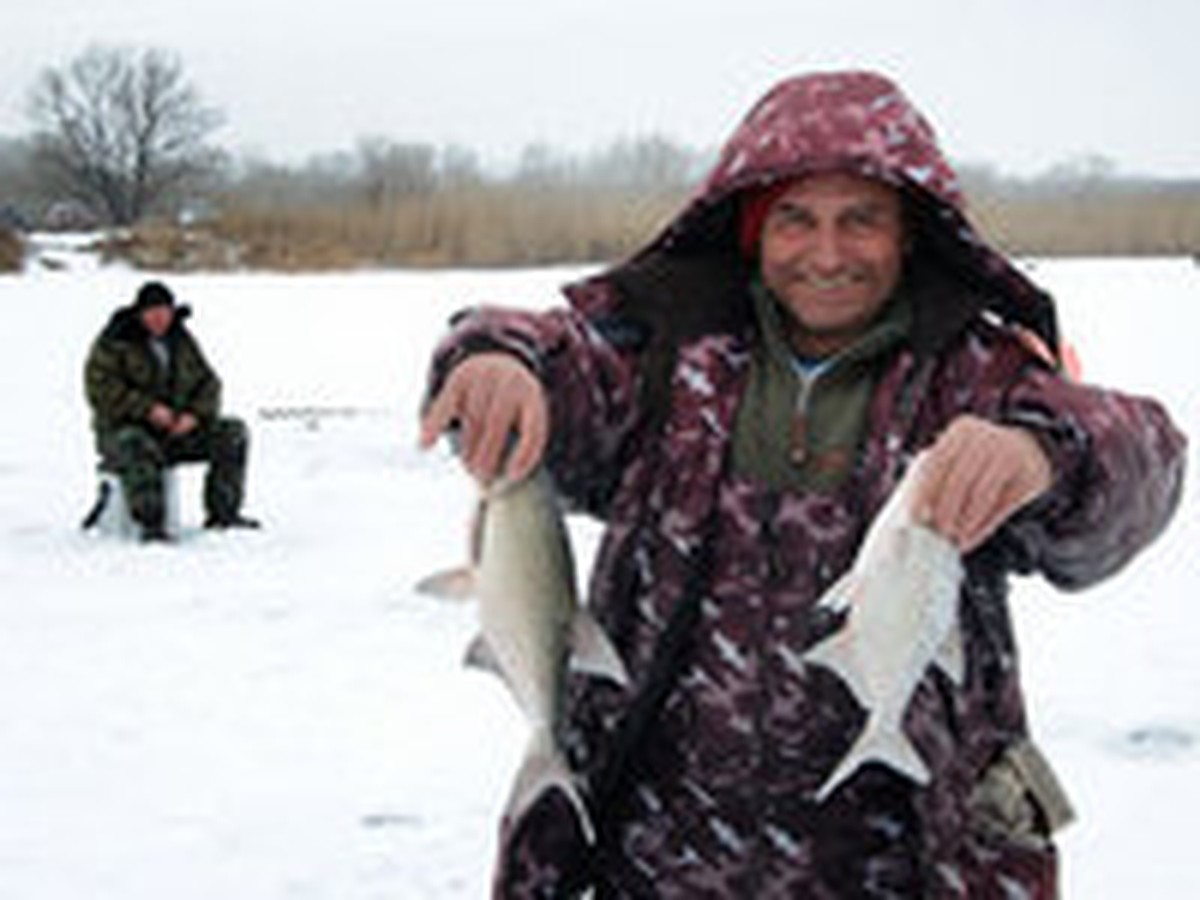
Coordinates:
[1020,84]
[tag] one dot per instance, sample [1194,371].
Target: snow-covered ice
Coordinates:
[260,716]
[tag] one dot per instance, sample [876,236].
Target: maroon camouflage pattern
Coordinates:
[723,807]
[845,121]
[722,803]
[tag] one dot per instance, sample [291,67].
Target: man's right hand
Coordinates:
[489,397]
[161,416]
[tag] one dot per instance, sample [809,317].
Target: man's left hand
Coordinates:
[185,423]
[976,475]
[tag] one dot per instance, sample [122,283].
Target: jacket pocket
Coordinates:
[1020,799]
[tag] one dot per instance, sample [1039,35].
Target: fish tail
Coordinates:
[882,744]
[544,768]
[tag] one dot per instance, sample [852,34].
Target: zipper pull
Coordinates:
[798,449]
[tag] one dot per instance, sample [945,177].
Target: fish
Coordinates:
[900,597]
[532,626]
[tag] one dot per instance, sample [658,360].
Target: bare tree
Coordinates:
[18,192]
[390,171]
[121,130]
[652,164]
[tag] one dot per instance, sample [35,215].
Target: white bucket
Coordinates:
[115,519]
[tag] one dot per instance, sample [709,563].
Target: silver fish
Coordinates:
[902,600]
[531,624]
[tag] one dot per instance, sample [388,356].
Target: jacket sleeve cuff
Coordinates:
[1066,447]
[471,334]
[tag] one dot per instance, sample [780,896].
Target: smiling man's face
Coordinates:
[832,252]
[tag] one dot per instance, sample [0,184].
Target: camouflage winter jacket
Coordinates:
[123,378]
[646,371]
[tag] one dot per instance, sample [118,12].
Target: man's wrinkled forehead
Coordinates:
[843,186]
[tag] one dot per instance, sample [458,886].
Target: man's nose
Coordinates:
[825,254]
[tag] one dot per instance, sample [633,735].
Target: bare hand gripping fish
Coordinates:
[532,626]
[902,597]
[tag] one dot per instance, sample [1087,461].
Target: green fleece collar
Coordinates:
[803,433]
[894,324]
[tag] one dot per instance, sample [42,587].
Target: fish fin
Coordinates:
[950,658]
[451,584]
[479,655]
[592,652]
[838,654]
[839,596]
[881,744]
[544,768]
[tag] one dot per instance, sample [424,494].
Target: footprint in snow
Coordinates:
[1157,742]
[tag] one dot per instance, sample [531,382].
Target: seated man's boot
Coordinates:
[155,534]
[237,520]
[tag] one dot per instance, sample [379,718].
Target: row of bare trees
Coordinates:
[386,203]
[1085,209]
[121,137]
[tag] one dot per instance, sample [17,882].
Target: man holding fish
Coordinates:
[818,700]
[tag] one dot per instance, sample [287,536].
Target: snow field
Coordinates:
[260,716]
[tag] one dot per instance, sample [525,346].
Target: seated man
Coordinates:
[155,402]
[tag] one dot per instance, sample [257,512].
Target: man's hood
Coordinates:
[855,122]
[125,324]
